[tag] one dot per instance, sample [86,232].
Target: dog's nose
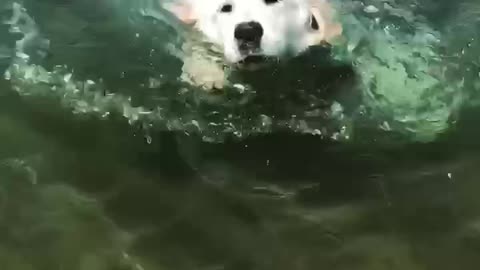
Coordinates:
[248,32]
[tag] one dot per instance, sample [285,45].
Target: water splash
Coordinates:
[400,70]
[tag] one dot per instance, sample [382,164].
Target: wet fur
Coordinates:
[208,58]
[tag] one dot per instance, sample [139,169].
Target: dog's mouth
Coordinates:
[254,61]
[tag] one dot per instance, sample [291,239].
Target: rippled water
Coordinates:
[95,181]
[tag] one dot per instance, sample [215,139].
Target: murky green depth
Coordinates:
[90,194]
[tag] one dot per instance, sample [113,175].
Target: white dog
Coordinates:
[247,33]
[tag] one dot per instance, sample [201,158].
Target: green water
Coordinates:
[79,192]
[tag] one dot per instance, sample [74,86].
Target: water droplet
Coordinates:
[370,9]
[149,139]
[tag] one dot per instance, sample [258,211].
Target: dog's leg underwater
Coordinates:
[200,70]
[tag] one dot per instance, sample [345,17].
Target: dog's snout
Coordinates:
[248,32]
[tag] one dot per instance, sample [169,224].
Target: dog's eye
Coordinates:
[313,23]
[269,2]
[227,8]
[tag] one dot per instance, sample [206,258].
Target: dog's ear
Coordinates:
[182,9]
[324,28]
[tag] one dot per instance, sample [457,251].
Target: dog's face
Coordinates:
[252,30]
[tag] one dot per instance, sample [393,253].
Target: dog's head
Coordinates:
[250,31]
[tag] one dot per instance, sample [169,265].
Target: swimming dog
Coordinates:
[247,34]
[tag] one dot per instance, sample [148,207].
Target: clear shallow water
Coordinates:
[78,192]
